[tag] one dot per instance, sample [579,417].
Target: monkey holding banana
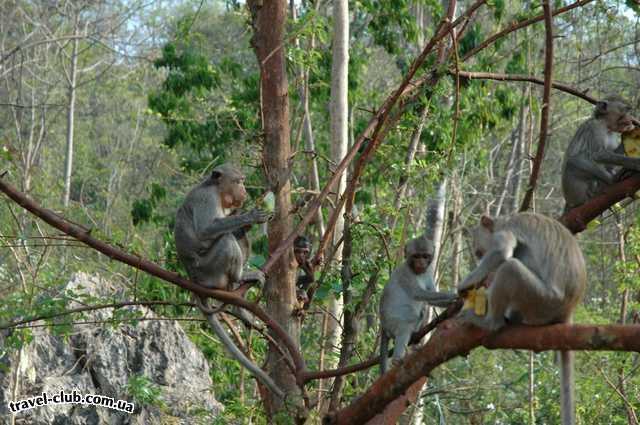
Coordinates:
[593,159]
[537,276]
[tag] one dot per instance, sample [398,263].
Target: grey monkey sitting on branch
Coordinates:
[594,158]
[212,245]
[410,289]
[536,276]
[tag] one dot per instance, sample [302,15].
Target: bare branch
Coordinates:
[526,78]
[546,105]
[518,25]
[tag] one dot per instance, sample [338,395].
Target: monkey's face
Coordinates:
[618,117]
[230,183]
[232,191]
[482,237]
[419,262]
[301,254]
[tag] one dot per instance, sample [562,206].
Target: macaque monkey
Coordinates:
[593,159]
[213,256]
[536,275]
[302,253]
[405,297]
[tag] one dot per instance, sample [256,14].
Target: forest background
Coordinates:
[111,110]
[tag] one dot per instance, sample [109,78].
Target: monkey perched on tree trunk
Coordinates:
[212,245]
[537,276]
[405,297]
[593,160]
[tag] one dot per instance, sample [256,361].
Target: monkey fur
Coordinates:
[409,290]
[537,276]
[593,160]
[212,245]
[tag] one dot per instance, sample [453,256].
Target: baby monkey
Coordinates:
[304,290]
[402,306]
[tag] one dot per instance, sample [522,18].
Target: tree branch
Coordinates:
[92,308]
[576,220]
[518,25]
[527,78]
[455,339]
[546,105]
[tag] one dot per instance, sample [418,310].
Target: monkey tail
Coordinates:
[259,374]
[567,401]
[384,353]
[567,385]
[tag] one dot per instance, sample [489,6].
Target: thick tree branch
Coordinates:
[576,220]
[84,235]
[454,339]
[546,106]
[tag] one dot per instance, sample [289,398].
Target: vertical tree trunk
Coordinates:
[516,184]
[307,128]
[339,146]
[268,21]
[68,163]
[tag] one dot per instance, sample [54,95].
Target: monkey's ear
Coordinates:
[215,176]
[487,222]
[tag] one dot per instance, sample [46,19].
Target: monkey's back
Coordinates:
[546,247]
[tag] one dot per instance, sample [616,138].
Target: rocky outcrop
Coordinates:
[104,359]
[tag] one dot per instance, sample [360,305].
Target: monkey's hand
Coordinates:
[258,216]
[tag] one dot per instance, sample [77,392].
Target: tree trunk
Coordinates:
[339,146]
[307,127]
[516,184]
[68,163]
[268,21]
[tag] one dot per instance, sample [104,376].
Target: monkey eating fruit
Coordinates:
[537,277]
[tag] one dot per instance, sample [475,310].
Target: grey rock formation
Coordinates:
[101,359]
